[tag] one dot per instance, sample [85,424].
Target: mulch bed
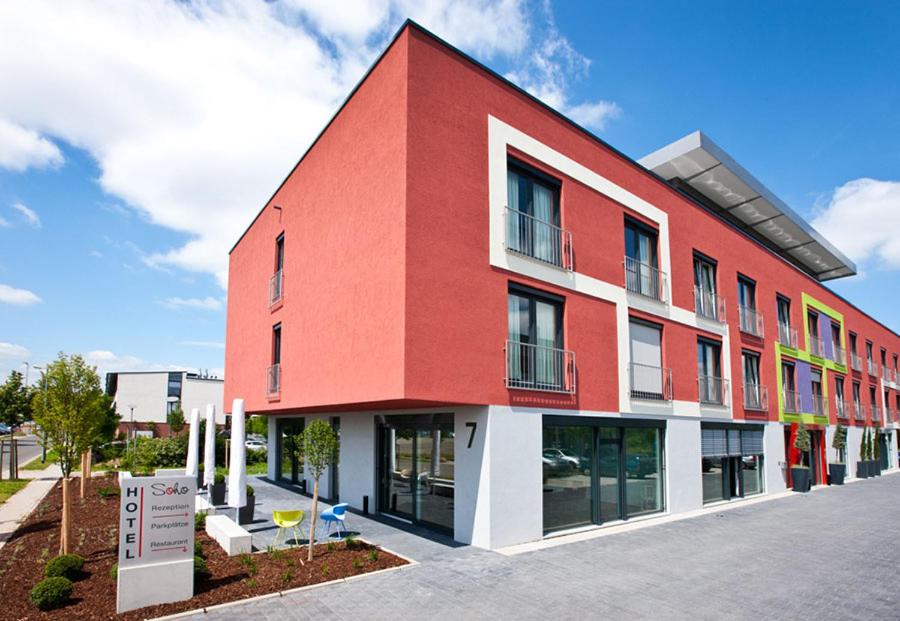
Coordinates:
[95,525]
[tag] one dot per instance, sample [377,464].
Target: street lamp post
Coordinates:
[44,384]
[133,435]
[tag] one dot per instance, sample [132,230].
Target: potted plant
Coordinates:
[838,469]
[217,490]
[245,513]
[862,466]
[800,472]
[876,453]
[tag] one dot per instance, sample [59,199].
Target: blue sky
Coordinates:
[126,175]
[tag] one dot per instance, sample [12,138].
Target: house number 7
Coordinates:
[471,426]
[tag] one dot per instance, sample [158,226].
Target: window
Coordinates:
[872,400]
[815,343]
[648,379]
[731,461]
[276,344]
[596,471]
[705,300]
[790,397]
[709,372]
[853,342]
[279,253]
[835,336]
[276,283]
[753,391]
[533,215]
[273,376]
[883,357]
[749,320]
[819,405]
[174,385]
[786,334]
[535,358]
[641,262]
[857,406]
[839,396]
[869,351]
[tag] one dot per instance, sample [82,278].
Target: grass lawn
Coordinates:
[8,488]
[259,468]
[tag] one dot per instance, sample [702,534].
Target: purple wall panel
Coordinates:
[804,386]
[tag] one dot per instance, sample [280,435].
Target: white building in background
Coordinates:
[145,398]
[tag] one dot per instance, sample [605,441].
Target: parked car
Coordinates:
[561,460]
[4,429]
[255,445]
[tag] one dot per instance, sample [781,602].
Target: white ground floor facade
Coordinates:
[496,476]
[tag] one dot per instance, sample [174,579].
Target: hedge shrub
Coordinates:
[200,567]
[66,565]
[51,593]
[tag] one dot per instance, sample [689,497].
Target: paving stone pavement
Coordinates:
[831,554]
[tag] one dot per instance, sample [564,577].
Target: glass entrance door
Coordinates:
[416,468]
[610,457]
[290,463]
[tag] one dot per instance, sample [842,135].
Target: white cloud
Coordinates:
[195,111]
[17,297]
[862,218]
[109,362]
[207,303]
[8,350]
[96,254]
[4,224]
[30,216]
[22,148]
[206,344]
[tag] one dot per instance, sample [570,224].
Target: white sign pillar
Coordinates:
[156,541]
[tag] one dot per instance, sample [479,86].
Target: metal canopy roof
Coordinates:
[700,167]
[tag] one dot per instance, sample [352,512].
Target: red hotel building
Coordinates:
[519,331]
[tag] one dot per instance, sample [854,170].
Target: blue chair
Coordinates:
[335,517]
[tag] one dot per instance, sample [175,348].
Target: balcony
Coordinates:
[844,408]
[533,367]
[712,390]
[273,381]
[644,279]
[538,239]
[886,373]
[871,368]
[650,383]
[855,361]
[816,346]
[751,321]
[838,354]
[756,397]
[876,413]
[787,335]
[791,399]
[820,405]
[859,412]
[709,305]
[276,288]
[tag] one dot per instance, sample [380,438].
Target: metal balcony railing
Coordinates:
[855,361]
[644,279]
[649,382]
[886,373]
[816,346]
[844,408]
[709,305]
[273,380]
[859,412]
[791,400]
[276,288]
[538,239]
[533,367]
[876,413]
[872,368]
[787,335]
[712,389]
[756,397]
[838,354]
[751,321]
[820,405]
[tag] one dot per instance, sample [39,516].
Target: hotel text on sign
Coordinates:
[156,520]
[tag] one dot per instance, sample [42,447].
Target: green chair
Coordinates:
[288,520]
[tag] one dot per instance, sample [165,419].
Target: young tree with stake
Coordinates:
[319,446]
[72,410]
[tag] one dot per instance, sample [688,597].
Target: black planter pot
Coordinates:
[200,478]
[836,474]
[245,513]
[862,470]
[875,467]
[217,494]
[800,479]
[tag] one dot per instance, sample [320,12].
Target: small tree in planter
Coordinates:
[319,446]
[800,472]
[862,466]
[876,452]
[838,469]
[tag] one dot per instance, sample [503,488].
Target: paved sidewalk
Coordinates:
[20,505]
[829,554]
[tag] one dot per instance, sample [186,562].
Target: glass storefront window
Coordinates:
[751,475]
[643,471]
[567,463]
[731,462]
[713,472]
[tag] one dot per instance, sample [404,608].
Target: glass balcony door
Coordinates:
[290,462]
